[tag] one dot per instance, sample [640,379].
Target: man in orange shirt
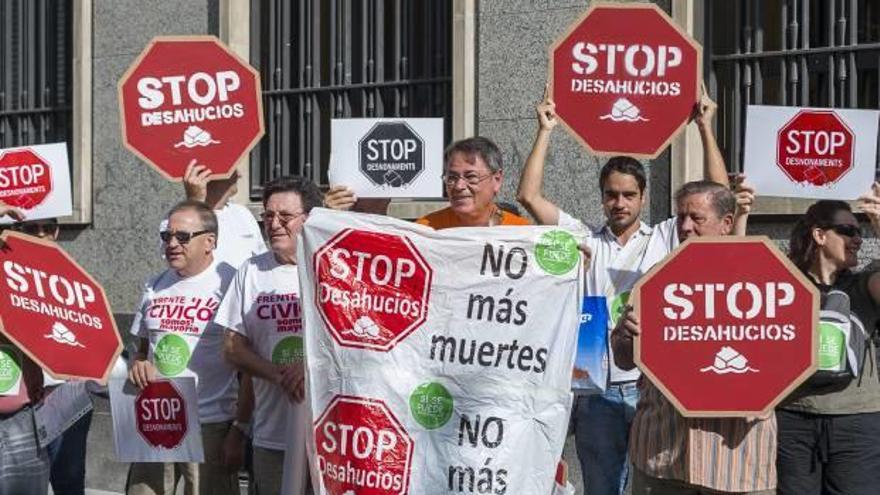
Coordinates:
[472,172]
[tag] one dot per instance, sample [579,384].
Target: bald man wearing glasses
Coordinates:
[178,338]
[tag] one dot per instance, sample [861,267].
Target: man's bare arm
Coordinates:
[530,192]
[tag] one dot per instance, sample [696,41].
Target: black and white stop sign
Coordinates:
[392,154]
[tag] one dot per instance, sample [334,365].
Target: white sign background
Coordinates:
[131,446]
[345,137]
[58,203]
[759,162]
[534,406]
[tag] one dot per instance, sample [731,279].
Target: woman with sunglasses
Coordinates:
[829,433]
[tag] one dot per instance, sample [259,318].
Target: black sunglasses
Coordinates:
[182,237]
[847,230]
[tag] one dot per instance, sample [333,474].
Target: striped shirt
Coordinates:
[723,454]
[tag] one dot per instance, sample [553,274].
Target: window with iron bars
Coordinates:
[36,53]
[326,59]
[821,53]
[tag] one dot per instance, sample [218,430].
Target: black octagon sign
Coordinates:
[392,154]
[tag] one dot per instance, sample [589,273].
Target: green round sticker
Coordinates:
[431,405]
[288,350]
[617,306]
[557,252]
[171,355]
[10,369]
[831,344]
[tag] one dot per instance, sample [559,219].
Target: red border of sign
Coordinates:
[684,34]
[178,39]
[103,380]
[771,247]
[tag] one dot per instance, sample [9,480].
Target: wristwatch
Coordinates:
[243,426]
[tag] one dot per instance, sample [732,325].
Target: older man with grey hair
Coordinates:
[672,454]
[472,172]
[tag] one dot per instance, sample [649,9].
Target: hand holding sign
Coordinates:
[869,204]
[547,111]
[340,197]
[11,211]
[142,372]
[195,180]
[704,111]
[622,337]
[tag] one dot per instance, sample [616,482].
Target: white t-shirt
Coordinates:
[263,304]
[615,269]
[176,315]
[238,237]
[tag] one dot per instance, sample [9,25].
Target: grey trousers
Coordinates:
[24,466]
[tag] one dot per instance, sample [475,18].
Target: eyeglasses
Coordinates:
[182,237]
[847,230]
[471,179]
[283,218]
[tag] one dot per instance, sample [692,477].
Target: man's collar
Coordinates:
[644,229]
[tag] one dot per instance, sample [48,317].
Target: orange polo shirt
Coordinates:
[445,219]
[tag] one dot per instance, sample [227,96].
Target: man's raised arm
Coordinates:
[530,193]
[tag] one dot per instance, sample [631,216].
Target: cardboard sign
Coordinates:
[625,70]
[819,153]
[157,424]
[36,179]
[190,97]
[388,158]
[726,342]
[437,359]
[54,311]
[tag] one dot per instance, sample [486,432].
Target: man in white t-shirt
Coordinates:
[602,421]
[262,314]
[238,238]
[174,323]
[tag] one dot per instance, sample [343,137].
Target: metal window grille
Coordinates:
[821,53]
[36,53]
[325,59]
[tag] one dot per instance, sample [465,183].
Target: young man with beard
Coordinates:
[261,313]
[602,421]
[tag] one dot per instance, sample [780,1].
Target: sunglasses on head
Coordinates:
[182,237]
[847,230]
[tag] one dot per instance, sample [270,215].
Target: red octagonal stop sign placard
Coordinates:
[25,178]
[362,448]
[625,79]
[54,311]
[815,147]
[372,288]
[728,326]
[190,97]
[160,415]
